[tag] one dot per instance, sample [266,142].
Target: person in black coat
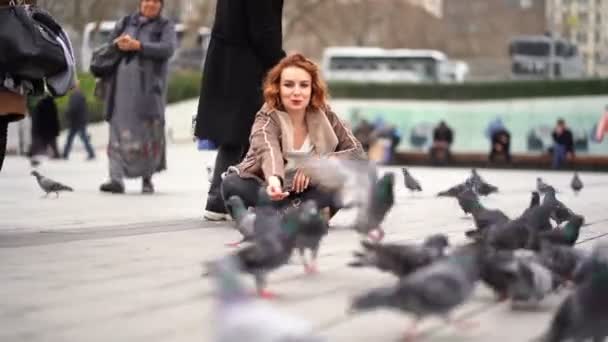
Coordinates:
[501,145]
[45,127]
[442,141]
[563,147]
[76,115]
[246,42]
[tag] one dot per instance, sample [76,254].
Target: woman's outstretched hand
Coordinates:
[274,189]
[300,182]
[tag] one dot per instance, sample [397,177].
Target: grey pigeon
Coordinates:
[576,184]
[482,216]
[567,235]
[210,174]
[542,187]
[380,200]
[436,289]
[312,229]
[480,186]
[244,219]
[522,232]
[356,185]
[561,212]
[48,185]
[534,202]
[273,244]
[410,182]
[400,259]
[584,313]
[533,281]
[240,318]
[466,199]
[497,270]
[455,190]
[562,260]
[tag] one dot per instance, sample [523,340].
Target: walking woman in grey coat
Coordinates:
[136,96]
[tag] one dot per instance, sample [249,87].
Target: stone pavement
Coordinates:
[95,267]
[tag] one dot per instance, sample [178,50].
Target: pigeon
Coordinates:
[356,185]
[244,220]
[475,177]
[562,260]
[241,318]
[522,232]
[534,202]
[274,242]
[401,260]
[576,184]
[561,212]
[48,185]
[497,271]
[466,200]
[541,186]
[484,189]
[533,281]
[410,182]
[432,290]
[568,235]
[584,313]
[482,216]
[313,228]
[480,186]
[455,190]
[380,201]
[210,174]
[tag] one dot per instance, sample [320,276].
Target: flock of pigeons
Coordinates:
[521,259]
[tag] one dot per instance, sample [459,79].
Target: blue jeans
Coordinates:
[82,133]
[559,155]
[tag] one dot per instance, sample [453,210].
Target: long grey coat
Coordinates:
[146,97]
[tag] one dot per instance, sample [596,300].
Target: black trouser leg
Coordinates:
[226,156]
[247,189]
[3,138]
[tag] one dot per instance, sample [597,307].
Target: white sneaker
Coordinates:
[214,216]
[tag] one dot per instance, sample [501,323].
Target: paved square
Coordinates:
[94,267]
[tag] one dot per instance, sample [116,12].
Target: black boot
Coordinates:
[113,187]
[146,186]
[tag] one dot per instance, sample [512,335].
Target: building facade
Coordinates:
[584,22]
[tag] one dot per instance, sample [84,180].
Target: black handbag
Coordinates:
[104,60]
[28,45]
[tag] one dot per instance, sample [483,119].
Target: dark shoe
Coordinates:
[147,187]
[113,187]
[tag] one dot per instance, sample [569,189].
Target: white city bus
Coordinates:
[530,58]
[372,64]
[94,35]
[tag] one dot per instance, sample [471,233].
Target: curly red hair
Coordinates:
[272,82]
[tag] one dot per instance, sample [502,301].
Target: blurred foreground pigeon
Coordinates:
[584,313]
[356,185]
[401,260]
[410,182]
[380,201]
[240,318]
[312,228]
[533,281]
[244,219]
[48,185]
[576,184]
[562,260]
[432,290]
[273,244]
